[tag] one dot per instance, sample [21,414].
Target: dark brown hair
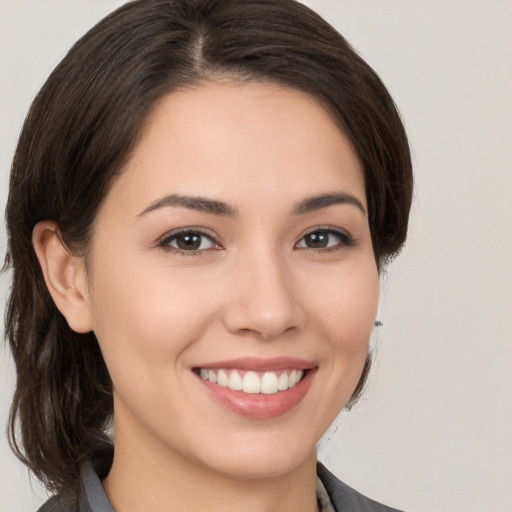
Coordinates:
[81,128]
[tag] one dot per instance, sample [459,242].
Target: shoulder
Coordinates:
[62,503]
[344,497]
[90,497]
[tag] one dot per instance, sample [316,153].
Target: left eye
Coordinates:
[189,241]
[323,239]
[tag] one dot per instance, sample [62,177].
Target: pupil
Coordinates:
[189,242]
[317,240]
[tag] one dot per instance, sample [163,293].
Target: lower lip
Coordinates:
[259,405]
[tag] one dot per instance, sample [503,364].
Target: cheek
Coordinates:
[148,315]
[348,308]
[145,322]
[344,319]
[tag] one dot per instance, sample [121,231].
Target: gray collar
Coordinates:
[324,500]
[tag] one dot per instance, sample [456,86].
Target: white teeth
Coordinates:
[222,379]
[283,382]
[235,381]
[267,383]
[251,383]
[296,376]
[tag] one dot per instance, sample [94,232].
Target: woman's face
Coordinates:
[234,247]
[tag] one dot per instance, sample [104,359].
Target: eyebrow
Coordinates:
[212,206]
[200,204]
[321,201]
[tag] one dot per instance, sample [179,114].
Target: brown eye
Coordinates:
[317,240]
[189,241]
[324,239]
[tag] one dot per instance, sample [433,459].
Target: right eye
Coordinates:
[188,241]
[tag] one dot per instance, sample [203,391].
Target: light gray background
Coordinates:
[434,431]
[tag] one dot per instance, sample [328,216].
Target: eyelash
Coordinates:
[165,242]
[345,240]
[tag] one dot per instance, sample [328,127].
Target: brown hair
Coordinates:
[80,129]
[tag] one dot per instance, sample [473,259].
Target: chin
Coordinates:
[260,458]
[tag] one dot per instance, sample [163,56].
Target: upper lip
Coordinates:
[257,364]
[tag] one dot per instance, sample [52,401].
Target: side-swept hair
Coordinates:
[82,126]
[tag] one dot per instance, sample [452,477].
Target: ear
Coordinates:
[64,274]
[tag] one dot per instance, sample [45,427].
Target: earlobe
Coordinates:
[64,275]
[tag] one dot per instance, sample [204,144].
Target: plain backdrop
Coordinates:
[434,430]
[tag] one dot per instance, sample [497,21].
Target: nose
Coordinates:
[263,298]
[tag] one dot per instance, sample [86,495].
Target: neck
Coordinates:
[146,478]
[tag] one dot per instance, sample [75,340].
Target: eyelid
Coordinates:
[164,240]
[347,240]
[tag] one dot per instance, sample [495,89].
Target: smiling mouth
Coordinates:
[252,382]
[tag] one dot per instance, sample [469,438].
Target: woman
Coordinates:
[202,198]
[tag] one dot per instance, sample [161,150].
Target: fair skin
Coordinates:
[254,276]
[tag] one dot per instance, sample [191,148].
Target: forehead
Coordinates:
[240,142]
